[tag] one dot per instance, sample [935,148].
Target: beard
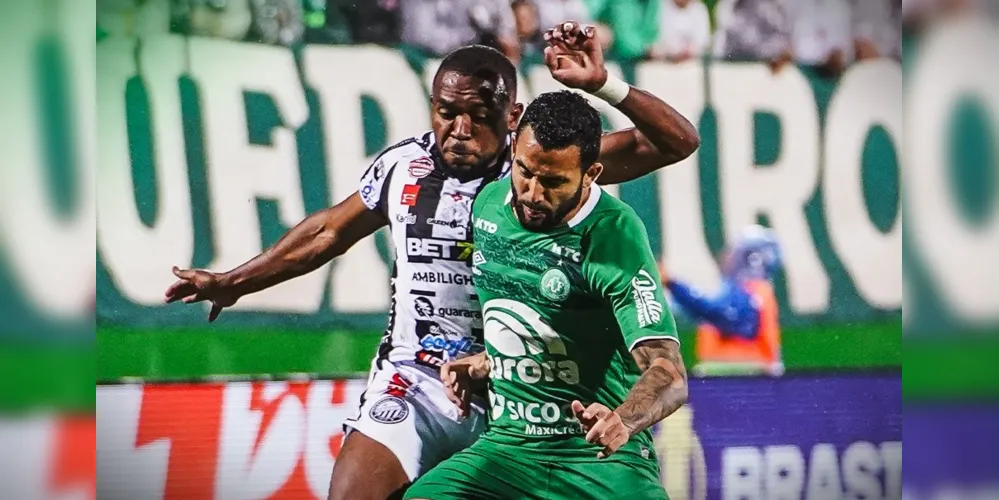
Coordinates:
[551,218]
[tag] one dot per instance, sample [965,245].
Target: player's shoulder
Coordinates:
[411,149]
[611,214]
[492,194]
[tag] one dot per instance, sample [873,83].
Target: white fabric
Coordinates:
[819,27]
[683,30]
[430,430]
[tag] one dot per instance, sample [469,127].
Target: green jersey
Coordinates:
[561,312]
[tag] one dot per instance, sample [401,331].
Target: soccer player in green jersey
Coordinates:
[581,353]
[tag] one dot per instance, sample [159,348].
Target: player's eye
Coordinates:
[445,113]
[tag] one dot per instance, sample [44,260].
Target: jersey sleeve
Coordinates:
[620,267]
[374,185]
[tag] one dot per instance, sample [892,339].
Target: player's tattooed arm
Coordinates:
[661,389]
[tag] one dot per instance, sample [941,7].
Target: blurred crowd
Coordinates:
[827,34]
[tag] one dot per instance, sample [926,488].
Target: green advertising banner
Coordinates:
[210,150]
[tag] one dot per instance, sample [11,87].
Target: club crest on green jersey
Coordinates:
[555,285]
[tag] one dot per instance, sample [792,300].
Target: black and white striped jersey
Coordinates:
[434,314]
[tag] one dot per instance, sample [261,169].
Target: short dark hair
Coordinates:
[482,62]
[562,119]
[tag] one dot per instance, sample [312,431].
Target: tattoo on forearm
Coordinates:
[661,389]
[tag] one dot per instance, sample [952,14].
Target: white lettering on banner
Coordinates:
[255,465]
[741,471]
[891,453]
[865,97]
[648,308]
[784,472]
[747,190]
[139,257]
[959,257]
[684,245]
[778,472]
[360,281]
[128,469]
[49,253]
[824,481]
[239,173]
[684,471]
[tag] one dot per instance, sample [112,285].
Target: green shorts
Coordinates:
[487,470]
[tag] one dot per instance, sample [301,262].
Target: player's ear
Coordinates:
[591,174]
[513,118]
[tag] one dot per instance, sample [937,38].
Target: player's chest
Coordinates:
[430,218]
[509,261]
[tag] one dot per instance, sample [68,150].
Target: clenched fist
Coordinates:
[603,427]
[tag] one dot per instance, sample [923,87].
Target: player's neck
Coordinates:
[579,206]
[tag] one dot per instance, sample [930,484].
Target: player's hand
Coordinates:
[574,56]
[464,377]
[603,427]
[196,285]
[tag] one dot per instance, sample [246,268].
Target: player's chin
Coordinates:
[463,161]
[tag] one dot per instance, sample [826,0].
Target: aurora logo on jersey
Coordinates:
[649,309]
[515,331]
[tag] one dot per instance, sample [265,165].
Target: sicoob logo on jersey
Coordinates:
[390,410]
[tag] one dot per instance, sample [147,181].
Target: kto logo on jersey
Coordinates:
[567,253]
[431,248]
[487,226]
[643,290]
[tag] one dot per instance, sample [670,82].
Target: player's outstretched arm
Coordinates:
[661,389]
[315,241]
[661,137]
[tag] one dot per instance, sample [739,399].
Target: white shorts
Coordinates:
[406,409]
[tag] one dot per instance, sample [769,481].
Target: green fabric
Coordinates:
[488,470]
[561,310]
[635,24]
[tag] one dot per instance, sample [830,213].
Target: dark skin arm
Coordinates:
[318,239]
[661,136]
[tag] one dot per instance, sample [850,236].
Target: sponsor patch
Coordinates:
[410,192]
[390,410]
[421,167]
[424,308]
[555,285]
[648,308]
[405,218]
